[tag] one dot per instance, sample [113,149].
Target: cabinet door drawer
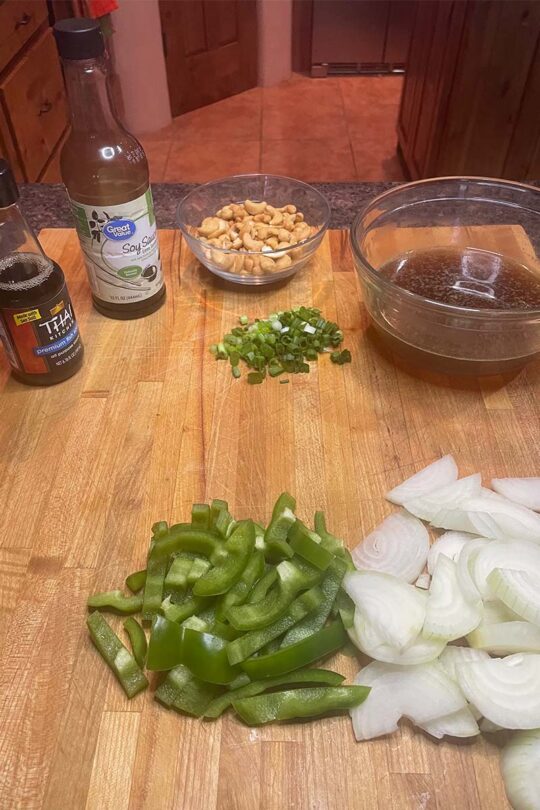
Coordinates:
[18,21]
[34,102]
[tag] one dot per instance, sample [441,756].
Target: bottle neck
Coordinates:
[16,235]
[88,93]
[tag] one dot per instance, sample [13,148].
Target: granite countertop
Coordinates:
[46,205]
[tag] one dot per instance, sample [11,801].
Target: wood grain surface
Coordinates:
[153,423]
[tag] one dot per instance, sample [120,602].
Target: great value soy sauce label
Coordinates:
[121,250]
[43,339]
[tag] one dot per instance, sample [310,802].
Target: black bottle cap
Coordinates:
[79,38]
[9,193]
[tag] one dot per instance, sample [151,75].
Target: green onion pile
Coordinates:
[238,615]
[283,342]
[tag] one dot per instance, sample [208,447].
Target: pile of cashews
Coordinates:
[257,227]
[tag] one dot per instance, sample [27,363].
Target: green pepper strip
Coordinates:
[116,602]
[282,519]
[165,645]
[314,621]
[176,579]
[160,528]
[183,537]
[135,581]
[345,607]
[224,521]
[199,567]
[179,612]
[331,543]
[239,548]
[183,692]
[304,652]
[114,653]
[250,643]
[239,592]
[200,516]
[261,588]
[206,656]
[299,703]
[293,578]
[156,569]
[216,507]
[303,676]
[308,545]
[137,639]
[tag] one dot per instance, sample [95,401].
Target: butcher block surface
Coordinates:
[151,424]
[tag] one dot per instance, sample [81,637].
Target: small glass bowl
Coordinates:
[471,213]
[207,199]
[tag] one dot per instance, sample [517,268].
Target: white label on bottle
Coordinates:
[120,248]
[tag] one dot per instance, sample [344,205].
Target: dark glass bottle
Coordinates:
[37,321]
[105,172]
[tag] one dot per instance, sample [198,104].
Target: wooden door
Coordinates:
[210,50]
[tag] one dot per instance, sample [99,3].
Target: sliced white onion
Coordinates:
[423,581]
[450,544]
[505,690]
[450,496]
[487,727]
[496,612]
[436,475]
[519,590]
[452,655]
[419,651]
[490,516]
[393,608]
[420,693]
[458,724]
[448,613]
[399,546]
[525,491]
[506,638]
[520,765]
[518,555]
[464,564]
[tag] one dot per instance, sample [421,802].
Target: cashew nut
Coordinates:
[250,243]
[208,226]
[254,208]
[283,262]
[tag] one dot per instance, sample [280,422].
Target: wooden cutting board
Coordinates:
[153,423]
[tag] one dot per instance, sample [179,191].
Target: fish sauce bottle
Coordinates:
[105,172]
[37,323]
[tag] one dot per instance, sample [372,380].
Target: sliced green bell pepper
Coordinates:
[199,567]
[299,703]
[176,578]
[201,517]
[156,569]
[183,537]
[330,542]
[165,645]
[182,691]
[216,507]
[261,588]
[329,586]
[114,653]
[239,548]
[180,611]
[283,517]
[303,676]
[137,638]
[308,545]
[116,602]
[135,581]
[298,655]
[251,642]
[206,656]
[239,592]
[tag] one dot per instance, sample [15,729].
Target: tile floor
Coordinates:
[321,130]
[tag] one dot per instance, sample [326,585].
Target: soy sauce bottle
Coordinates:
[37,323]
[105,172]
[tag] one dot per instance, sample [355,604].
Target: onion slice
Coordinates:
[452,655]
[436,475]
[505,690]
[505,638]
[525,491]
[399,546]
[450,544]
[458,724]
[490,516]
[518,590]
[464,564]
[519,555]
[427,506]
[420,693]
[395,609]
[448,613]
[420,651]
[520,765]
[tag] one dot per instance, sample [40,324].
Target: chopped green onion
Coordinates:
[244,320]
[341,357]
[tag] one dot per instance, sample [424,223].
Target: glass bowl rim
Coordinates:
[253,175]
[481,314]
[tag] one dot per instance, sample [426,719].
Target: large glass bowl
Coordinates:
[207,199]
[464,213]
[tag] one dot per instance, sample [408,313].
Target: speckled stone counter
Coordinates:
[46,205]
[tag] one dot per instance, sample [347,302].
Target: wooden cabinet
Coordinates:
[33,111]
[470,98]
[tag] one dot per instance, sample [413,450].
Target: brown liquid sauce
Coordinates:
[471,278]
